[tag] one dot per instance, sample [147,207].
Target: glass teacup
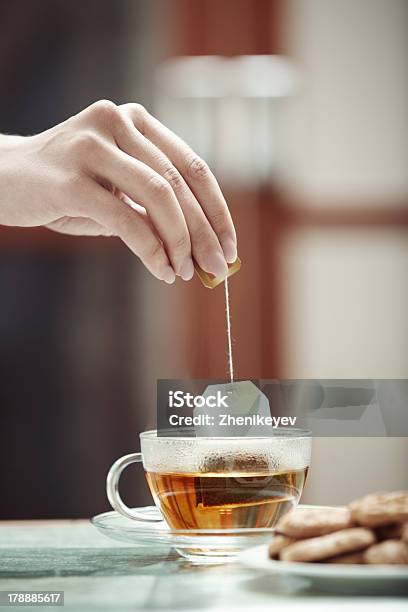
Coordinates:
[219,483]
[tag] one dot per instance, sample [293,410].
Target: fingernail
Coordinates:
[187,270]
[168,275]
[217,265]
[230,250]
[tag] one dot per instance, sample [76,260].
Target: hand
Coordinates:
[117,171]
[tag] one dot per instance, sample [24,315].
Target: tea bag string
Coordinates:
[227,308]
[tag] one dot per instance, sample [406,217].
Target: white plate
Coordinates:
[384,579]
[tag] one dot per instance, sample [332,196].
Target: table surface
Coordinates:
[97,573]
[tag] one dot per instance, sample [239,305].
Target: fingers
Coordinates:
[145,186]
[133,228]
[153,166]
[205,246]
[195,173]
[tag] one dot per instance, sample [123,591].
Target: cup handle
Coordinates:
[112,491]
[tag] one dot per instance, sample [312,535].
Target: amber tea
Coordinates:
[225,500]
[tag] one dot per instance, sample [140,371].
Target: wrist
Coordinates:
[8,142]
[11,175]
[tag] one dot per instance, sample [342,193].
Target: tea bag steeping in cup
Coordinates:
[242,476]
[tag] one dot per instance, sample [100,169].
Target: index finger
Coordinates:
[195,172]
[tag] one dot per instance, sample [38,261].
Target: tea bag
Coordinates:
[244,399]
[210,281]
[231,490]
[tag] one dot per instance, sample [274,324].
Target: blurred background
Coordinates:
[300,108]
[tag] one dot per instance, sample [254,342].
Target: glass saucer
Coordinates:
[198,546]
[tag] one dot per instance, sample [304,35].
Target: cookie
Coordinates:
[389,552]
[348,559]
[389,532]
[330,545]
[278,543]
[380,509]
[313,522]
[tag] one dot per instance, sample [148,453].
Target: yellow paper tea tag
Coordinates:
[211,281]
